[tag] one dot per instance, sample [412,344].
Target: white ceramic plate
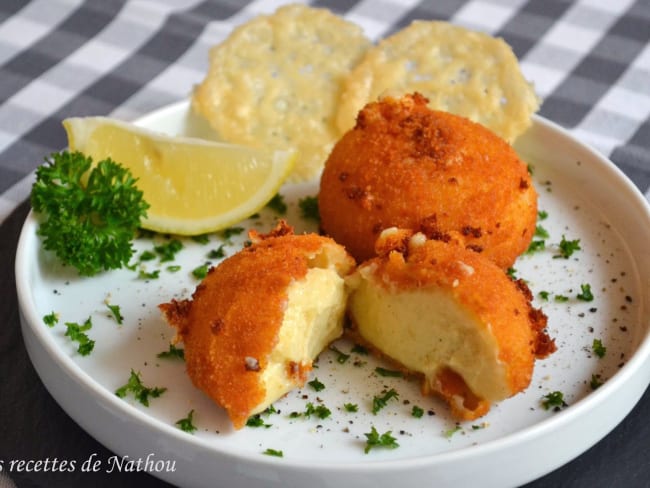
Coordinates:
[585,197]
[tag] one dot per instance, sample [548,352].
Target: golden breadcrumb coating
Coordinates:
[408,166]
[231,326]
[473,335]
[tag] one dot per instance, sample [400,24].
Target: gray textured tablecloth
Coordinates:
[589,61]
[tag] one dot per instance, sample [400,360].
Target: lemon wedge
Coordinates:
[193,186]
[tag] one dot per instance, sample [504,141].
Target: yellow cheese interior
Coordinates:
[312,320]
[426,330]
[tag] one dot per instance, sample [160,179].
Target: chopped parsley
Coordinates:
[153,275]
[359,349]
[217,253]
[168,251]
[541,232]
[273,452]
[201,272]
[375,439]
[117,314]
[450,432]
[140,392]
[379,402]
[173,352]
[388,372]
[596,382]
[561,298]
[186,424]
[173,268]
[585,293]
[417,412]
[567,248]
[316,385]
[309,208]
[599,349]
[512,273]
[270,410]
[341,357]
[257,421]
[544,295]
[542,215]
[554,400]
[536,246]
[277,204]
[320,411]
[201,239]
[77,333]
[351,407]
[51,319]
[226,234]
[147,256]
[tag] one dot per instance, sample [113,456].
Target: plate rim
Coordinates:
[634,364]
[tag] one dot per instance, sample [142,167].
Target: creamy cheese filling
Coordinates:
[426,330]
[312,320]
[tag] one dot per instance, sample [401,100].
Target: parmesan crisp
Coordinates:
[460,71]
[276,80]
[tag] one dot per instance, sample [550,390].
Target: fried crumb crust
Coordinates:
[408,166]
[478,285]
[231,324]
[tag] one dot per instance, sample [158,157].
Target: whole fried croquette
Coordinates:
[257,321]
[408,166]
[449,315]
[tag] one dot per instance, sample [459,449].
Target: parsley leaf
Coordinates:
[554,400]
[168,250]
[51,319]
[226,234]
[277,203]
[201,272]
[77,333]
[599,349]
[201,239]
[117,314]
[153,275]
[90,213]
[536,246]
[173,352]
[140,392]
[417,412]
[351,407]
[585,293]
[374,439]
[596,382]
[450,432]
[217,253]
[567,248]
[341,357]
[316,385]
[388,372]
[186,424]
[257,421]
[541,232]
[320,411]
[309,208]
[379,402]
[273,452]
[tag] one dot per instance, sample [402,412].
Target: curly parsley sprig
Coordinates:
[89,213]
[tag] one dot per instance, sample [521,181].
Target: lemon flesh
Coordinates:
[193,186]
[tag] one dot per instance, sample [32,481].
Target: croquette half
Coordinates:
[449,315]
[257,321]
